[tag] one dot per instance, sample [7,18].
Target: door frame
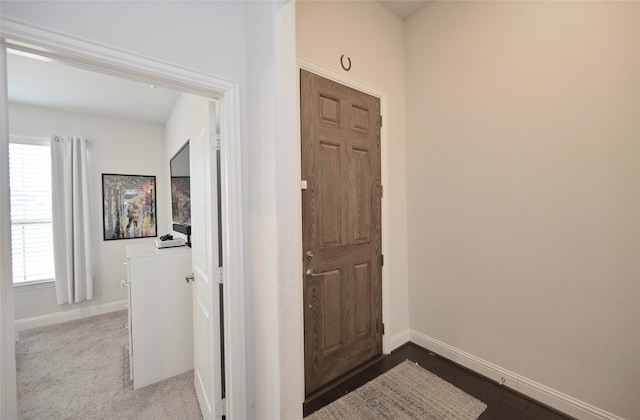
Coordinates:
[96,57]
[305,64]
[8,394]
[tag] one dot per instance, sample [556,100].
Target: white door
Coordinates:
[206,271]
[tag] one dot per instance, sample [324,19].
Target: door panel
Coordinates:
[331,287]
[202,380]
[330,197]
[361,196]
[362,307]
[341,229]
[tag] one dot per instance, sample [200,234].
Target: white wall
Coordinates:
[115,146]
[274,311]
[183,124]
[374,40]
[523,123]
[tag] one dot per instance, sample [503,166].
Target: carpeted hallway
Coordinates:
[79,370]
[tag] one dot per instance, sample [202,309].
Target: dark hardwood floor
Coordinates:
[502,403]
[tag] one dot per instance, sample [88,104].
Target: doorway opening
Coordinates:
[230,199]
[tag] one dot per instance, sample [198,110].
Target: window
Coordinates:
[31,227]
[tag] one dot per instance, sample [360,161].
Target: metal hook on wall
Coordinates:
[342,63]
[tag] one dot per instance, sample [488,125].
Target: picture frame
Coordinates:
[128,206]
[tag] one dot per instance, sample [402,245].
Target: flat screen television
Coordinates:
[181,187]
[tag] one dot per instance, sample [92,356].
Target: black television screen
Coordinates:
[181,186]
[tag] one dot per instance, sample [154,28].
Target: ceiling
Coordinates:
[40,81]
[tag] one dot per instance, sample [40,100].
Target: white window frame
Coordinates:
[36,141]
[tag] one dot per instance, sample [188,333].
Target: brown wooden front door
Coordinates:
[341,229]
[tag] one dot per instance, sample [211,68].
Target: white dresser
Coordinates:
[160,319]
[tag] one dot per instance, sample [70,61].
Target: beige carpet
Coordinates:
[405,392]
[78,370]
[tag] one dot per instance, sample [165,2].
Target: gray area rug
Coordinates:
[79,370]
[405,392]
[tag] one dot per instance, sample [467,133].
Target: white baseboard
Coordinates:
[71,315]
[399,339]
[528,387]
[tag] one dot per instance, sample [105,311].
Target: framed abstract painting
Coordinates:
[128,206]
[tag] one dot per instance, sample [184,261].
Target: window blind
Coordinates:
[31,227]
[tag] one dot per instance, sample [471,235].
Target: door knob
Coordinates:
[310,273]
[189,278]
